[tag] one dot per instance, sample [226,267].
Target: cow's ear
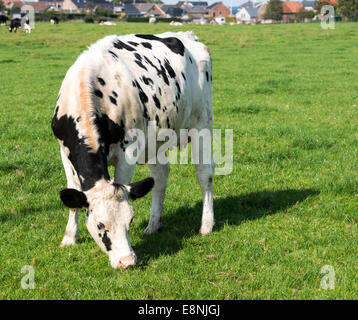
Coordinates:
[140,188]
[73,198]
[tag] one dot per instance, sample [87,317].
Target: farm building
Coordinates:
[218,9]
[290,10]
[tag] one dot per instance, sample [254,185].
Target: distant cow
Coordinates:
[3,19]
[27,26]
[121,84]
[15,24]
[54,20]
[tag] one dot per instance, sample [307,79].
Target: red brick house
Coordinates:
[218,9]
[290,10]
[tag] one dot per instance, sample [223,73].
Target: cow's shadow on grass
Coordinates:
[233,210]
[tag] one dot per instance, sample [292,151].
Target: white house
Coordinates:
[247,15]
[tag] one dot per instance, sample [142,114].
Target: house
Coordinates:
[218,9]
[248,15]
[290,9]
[308,5]
[148,9]
[131,11]
[172,11]
[197,14]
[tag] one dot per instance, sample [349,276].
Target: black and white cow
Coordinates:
[15,24]
[122,83]
[3,19]
[54,20]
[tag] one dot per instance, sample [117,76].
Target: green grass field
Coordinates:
[290,92]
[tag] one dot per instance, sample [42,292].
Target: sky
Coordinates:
[228,3]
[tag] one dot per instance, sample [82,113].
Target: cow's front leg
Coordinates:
[124,169]
[160,174]
[72,224]
[71,232]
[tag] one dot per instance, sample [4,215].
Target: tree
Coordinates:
[2,6]
[274,10]
[301,14]
[349,9]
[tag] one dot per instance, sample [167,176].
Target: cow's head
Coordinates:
[109,216]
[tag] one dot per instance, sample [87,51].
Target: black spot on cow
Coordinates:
[178,86]
[143,98]
[109,131]
[138,61]
[147,81]
[160,91]
[169,68]
[138,56]
[183,75]
[157,121]
[135,44]
[107,241]
[156,101]
[115,94]
[121,45]
[113,54]
[101,81]
[160,72]
[113,100]
[88,164]
[174,44]
[146,45]
[100,226]
[207,76]
[98,93]
[168,123]
[191,61]
[78,119]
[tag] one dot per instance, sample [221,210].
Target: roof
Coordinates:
[144,7]
[213,5]
[131,10]
[248,4]
[201,10]
[306,4]
[291,7]
[253,12]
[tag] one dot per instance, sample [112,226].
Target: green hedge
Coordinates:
[146,19]
[46,16]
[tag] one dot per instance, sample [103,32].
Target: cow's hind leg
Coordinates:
[160,174]
[72,224]
[205,173]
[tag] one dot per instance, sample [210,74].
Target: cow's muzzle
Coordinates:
[127,261]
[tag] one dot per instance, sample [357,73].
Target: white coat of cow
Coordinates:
[122,83]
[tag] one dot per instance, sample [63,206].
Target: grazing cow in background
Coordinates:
[15,24]
[27,26]
[3,19]
[54,20]
[122,83]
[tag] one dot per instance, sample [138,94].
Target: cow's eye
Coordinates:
[100,226]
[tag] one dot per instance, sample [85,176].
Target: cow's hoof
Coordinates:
[153,229]
[67,241]
[206,229]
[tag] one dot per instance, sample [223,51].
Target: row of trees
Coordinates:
[346,8]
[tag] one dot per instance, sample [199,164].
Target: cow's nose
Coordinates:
[128,261]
